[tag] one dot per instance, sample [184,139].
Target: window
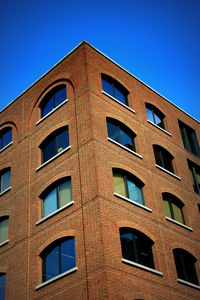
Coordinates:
[2,286]
[114,89]
[189,138]
[136,247]
[185,266]
[3,229]
[54,98]
[58,258]
[121,134]
[56,196]
[54,144]
[127,185]
[163,158]
[155,116]
[5,137]
[5,179]
[173,208]
[195,176]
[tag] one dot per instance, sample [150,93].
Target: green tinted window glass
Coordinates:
[119,184]
[177,213]
[167,209]
[65,193]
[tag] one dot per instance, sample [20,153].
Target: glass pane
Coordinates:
[128,251]
[113,132]
[60,96]
[4,230]
[167,209]
[120,96]
[49,105]
[7,137]
[192,177]
[65,193]
[149,115]
[2,286]
[50,203]
[158,155]
[126,140]
[1,142]
[119,185]
[107,87]
[52,264]
[177,213]
[144,251]
[5,181]
[62,140]
[68,260]
[49,149]
[158,121]
[134,192]
[167,162]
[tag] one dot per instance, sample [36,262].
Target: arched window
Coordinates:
[55,143]
[54,98]
[185,266]
[127,185]
[58,258]
[173,207]
[136,247]
[5,137]
[163,158]
[5,179]
[154,115]
[121,134]
[2,286]
[58,195]
[3,229]
[114,89]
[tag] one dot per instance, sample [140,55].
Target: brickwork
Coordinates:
[96,214]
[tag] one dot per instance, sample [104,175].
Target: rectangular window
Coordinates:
[3,230]
[119,185]
[5,180]
[189,138]
[2,286]
[195,176]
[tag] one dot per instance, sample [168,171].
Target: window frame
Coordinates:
[155,113]
[189,138]
[195,169]
[171,199]
[2,295]
[115,85]
[2,173]
[2,219]
[162,155]
[3,132]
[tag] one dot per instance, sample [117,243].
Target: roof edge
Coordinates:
[85,42]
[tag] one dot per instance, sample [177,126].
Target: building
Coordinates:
[100,188]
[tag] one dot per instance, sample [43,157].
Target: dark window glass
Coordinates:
[136,247]
[163,158]
[173,208]
[121,134]
[54,98]
[58,258]
[5,180]
[2,286]
[128,186]
[189,138]
[3,229]
[54,144]
[185,266]
[195,176]
[115,89]
[155,115]
[57,196]
[5,137]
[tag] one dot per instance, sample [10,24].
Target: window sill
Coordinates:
[5,191]
[126,261]
[8,145]
[5,242]
[54,157]
[159,127]
[113,98]
[125,148]
[56,278]
[178,223]
[168,172]
[54,213]
[133,202]
[189,283]
[51,112]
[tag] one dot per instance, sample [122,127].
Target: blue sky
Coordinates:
[156,40]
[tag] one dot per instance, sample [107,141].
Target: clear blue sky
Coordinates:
[156,40]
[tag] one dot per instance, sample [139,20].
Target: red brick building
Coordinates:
[100,188]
